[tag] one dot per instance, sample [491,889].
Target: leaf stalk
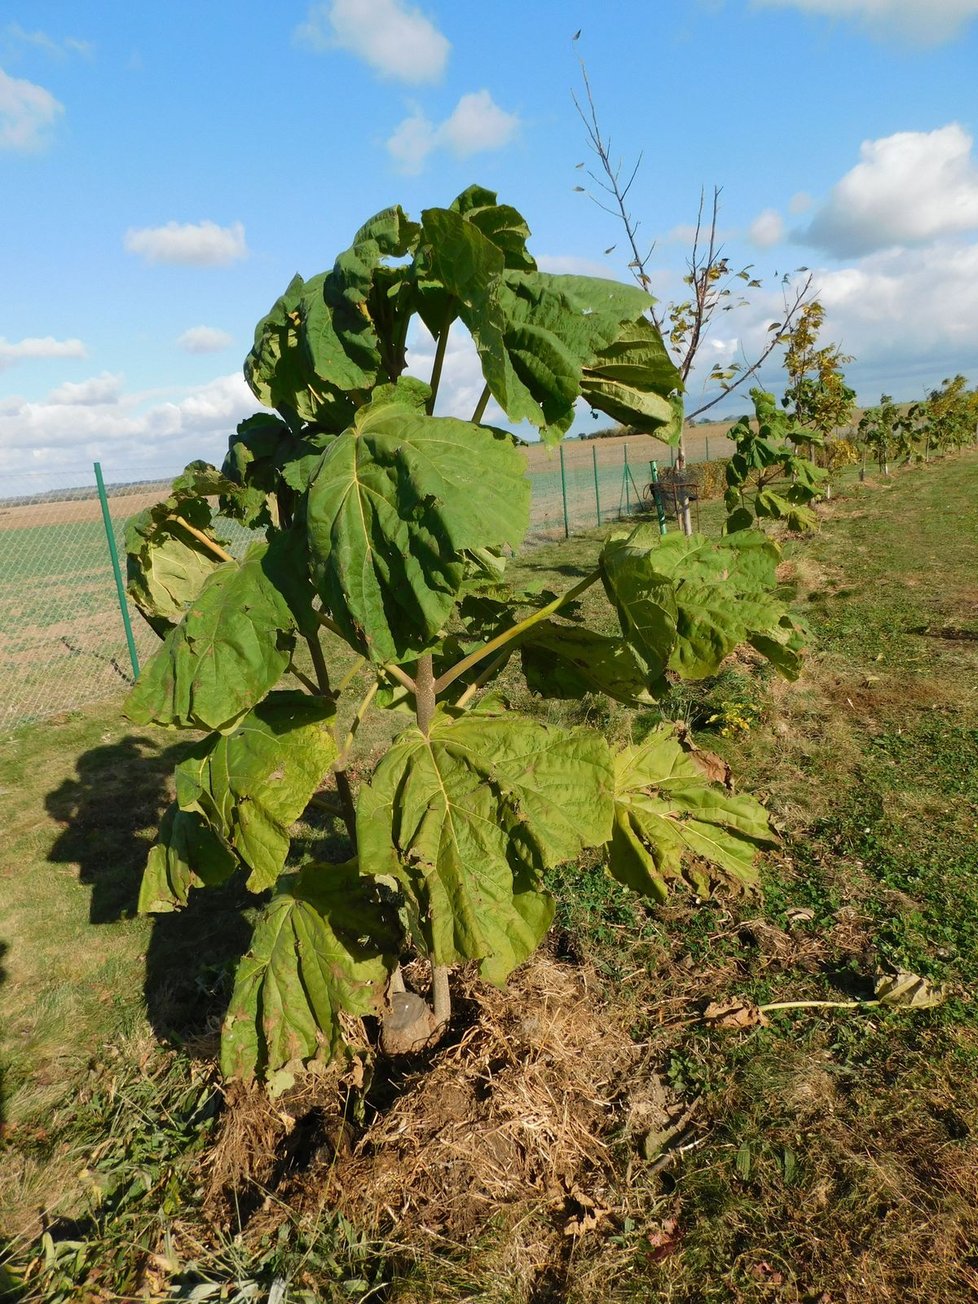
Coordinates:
[516,631]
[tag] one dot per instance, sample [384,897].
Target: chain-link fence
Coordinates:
[64,640]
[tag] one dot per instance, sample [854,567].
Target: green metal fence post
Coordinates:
[563,490]
[659,510]
[624,476]
[120,588]
[707,438]
[597,491]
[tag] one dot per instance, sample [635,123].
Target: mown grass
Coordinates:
[832,1156]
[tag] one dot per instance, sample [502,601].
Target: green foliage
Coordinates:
[171,548]
[684,603]
[946,421]
[324,945]
[397,500]
[388,525]
[765,457]
[467,818]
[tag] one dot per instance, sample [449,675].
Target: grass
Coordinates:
[831,1155]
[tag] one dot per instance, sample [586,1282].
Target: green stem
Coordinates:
[484,676]
[441,996]
[402,677]
[349,806]
[480,407]
[515,631]
[439,359]
[355,723]
[326,623]
[812,1005]
[319,665]
[208,543]
[304,679]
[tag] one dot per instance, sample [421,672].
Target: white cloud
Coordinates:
[27,113]
[17,35]
[95,391]
[800,203]
[200,244]
[901,305]
[767,229]
[909,317]
[394,38]
[476,125]
[46,347]
[204,339]
[131,434]
[924,21]
[909,188]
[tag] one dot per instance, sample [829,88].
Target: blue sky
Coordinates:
[166,169]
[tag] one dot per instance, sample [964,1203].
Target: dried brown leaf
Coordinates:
[738,1013]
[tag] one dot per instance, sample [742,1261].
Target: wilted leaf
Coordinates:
[171,548]
[187,854]
[909,990]
[324,945]
[232,645]
[685,603]
[670,822]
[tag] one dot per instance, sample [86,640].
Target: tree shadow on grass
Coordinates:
[110,813]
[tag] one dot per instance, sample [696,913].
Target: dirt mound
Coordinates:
[521,1109]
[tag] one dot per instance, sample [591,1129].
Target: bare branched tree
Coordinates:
[712,284]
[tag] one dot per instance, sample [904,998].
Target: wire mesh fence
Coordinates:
[63,634]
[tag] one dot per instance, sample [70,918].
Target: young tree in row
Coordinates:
[763,459]
[376,581]
[817,396]
[885,432]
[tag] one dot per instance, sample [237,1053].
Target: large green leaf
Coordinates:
[671,822]
[684,604]
[251,784]
[188,853]
[468,818]
[233,644]
[397,500]
[323,947]
[570,660]
[279,369]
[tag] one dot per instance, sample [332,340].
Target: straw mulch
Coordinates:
[523,1109]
